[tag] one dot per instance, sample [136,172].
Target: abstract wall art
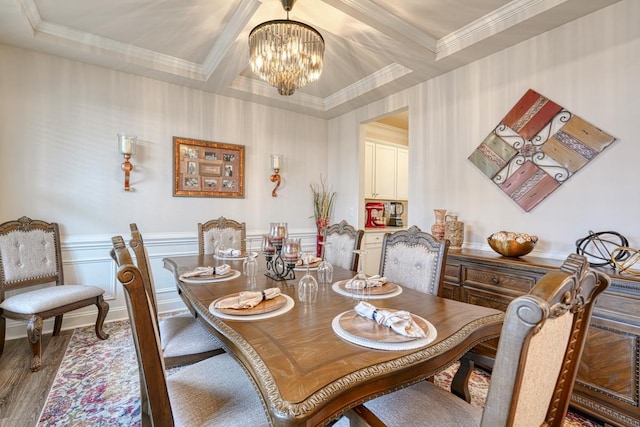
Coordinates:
[537,147]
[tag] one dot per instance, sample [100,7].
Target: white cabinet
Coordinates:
[402,174]
[386,175]
[369,169]
[372,243]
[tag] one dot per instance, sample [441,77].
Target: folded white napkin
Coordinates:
[208,271]
[247,299]
[222,269]
[312,260]
[200,271]
[372,282]
[399,321]
[231,252]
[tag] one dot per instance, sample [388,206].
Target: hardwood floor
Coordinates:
[22,392]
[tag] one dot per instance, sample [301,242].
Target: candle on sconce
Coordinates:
[127,143]
[291,249]
[275,161]
[278,231]
[267,247]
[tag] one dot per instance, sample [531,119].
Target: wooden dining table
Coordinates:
[304,372]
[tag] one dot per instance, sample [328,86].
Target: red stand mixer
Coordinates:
[375,212]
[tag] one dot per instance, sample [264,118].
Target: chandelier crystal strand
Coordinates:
[286,54]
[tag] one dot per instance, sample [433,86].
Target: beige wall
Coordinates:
[59,161]
[589,66]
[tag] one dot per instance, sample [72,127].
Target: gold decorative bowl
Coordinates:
[508,243]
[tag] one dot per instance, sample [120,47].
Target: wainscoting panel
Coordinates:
[87,261]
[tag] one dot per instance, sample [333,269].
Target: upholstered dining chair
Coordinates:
[184,340]
[536,364]
[30,256]
[342,239]
[415,259]
[213,392]
[231,233]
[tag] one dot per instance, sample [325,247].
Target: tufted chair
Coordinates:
[30,255]
[342,240]
[414,259]
[184,340]
[213,392]
[537,361]
[232,233]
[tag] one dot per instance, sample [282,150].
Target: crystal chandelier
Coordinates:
[286,54]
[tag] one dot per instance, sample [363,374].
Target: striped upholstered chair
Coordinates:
[213,392]
[340,241]
[232,234]
[184,340]
[30,257]
[414,259]
[537,361]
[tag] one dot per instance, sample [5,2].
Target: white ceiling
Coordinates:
[373,47]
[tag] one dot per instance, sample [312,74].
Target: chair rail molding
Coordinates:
[86,260]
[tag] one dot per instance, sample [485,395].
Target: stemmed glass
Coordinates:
[307,286]
[325,269]
[220,250]
[250,266]
[360,284]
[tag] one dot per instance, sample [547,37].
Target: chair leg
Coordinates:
[3,330]
[34,335]
[57,325]
[103,309]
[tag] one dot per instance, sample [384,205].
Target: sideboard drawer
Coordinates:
[452,272]
[491,278]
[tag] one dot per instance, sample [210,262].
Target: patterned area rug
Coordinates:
[98,384]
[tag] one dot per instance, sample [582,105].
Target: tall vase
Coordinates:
[319,240]
[454,231]
[437,229]
[320,225]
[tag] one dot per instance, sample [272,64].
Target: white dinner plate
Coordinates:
[287,306]
[235,258]
[338,288]
[365,332]
[211,279]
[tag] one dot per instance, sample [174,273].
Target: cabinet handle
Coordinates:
[495,280]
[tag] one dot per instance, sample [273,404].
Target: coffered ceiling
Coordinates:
[373,47]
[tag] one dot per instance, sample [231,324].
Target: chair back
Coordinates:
[232,233]
[415,259]
[342,240]
[30,254]
[540,346]
[156,406]
[142,262]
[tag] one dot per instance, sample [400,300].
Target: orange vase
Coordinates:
[437,229]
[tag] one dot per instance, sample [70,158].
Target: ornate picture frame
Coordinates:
[207,168]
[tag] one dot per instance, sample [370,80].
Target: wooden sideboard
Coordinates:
[608,382]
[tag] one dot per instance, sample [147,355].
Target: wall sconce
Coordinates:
[127,147]
[276,164]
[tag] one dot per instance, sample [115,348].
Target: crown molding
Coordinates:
[505,17]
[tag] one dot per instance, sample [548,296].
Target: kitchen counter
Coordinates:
[386,229]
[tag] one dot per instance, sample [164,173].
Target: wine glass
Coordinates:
[307,286]
[220,250]
[325,269]
[360,284]
[250,266]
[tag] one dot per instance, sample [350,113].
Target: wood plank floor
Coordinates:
[22,392]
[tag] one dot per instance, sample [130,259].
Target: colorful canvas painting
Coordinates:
[536,147]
